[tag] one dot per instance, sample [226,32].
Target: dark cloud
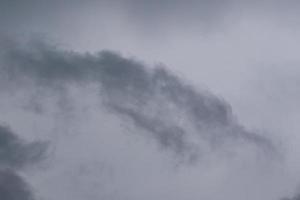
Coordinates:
[13,187]
[297,197]
[15,154]
[171,111]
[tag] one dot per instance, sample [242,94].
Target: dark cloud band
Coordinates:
[166,108]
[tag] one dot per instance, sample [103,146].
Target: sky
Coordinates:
[149,99]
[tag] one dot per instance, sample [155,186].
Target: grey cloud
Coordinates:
[176,115]
[15,154]
[296,197]
[205,10]
[145,16]
[13,187]
[170,137]
[155,13]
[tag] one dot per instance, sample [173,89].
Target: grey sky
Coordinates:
[148,99]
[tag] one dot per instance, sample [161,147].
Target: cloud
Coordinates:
[141,17]
[296,197]
[15,154]
[167,109]
[13,187]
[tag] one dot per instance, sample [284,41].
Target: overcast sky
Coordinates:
[149,99]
